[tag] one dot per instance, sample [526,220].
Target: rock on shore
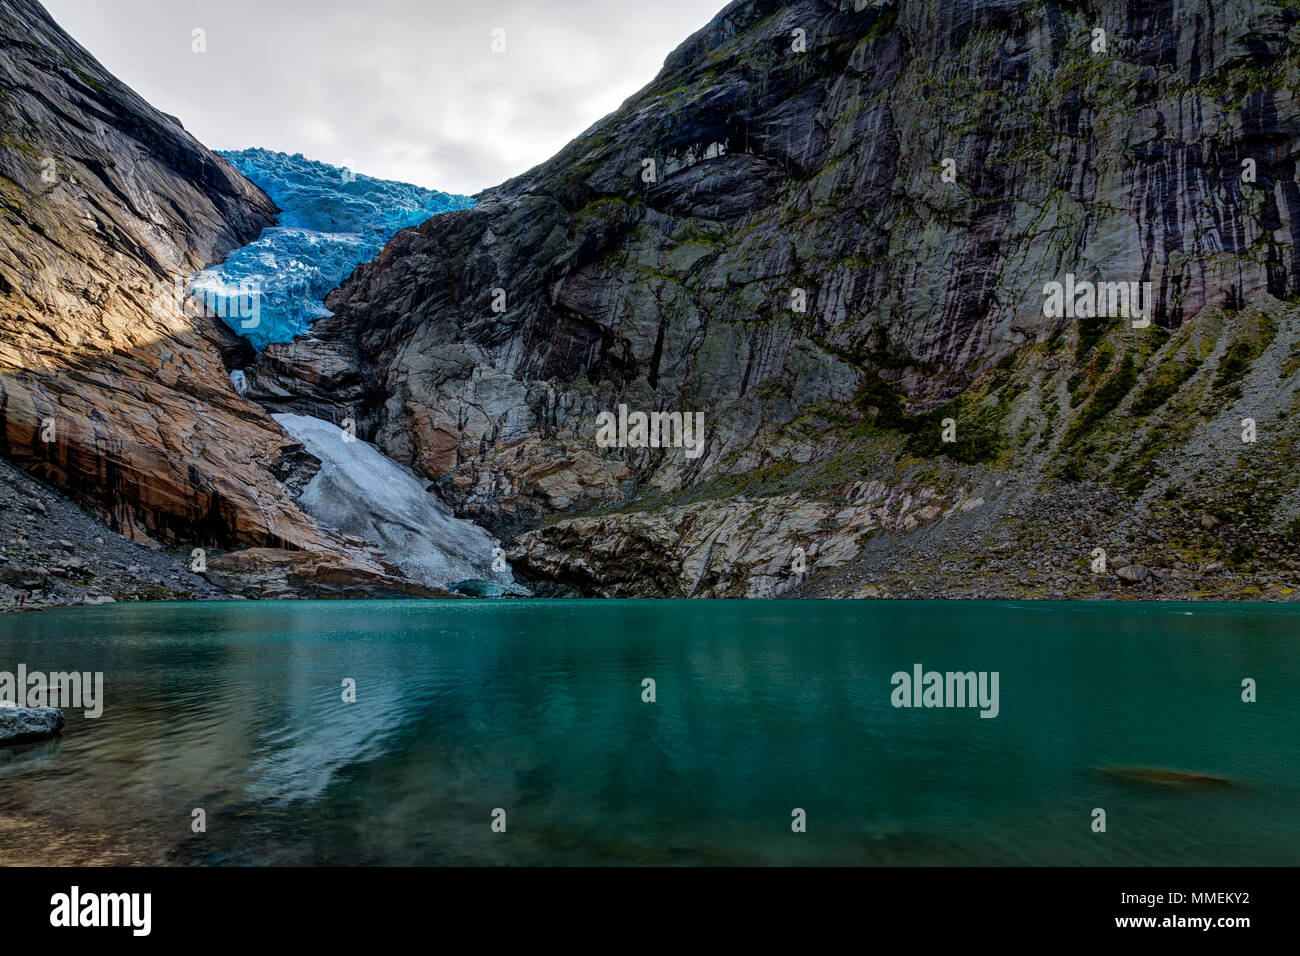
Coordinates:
[21,725]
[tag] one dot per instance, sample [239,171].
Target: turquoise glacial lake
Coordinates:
[761,708]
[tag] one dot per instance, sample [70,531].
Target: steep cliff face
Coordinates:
[108,389]
[112,388]
[843,241]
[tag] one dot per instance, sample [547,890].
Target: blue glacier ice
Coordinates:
[332,220]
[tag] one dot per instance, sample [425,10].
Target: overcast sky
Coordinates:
[401,89]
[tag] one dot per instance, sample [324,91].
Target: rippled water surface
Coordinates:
[536,707]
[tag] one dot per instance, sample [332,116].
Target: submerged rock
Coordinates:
[1163,778]
[20,725]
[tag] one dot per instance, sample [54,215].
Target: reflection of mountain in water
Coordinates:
[321,735]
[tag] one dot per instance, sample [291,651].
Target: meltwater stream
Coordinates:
[760,707]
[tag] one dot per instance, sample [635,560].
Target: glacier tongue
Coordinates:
[331,221]
[361,491]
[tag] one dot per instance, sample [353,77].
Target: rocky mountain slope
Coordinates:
[112,388]
[829,227]
[52,553]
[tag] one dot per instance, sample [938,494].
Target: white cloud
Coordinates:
[402,89]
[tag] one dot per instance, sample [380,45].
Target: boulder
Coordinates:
[20,725]
[1132,574]
[23,579]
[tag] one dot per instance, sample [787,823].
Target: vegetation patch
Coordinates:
[1092,331]
[1241,354]
[1168,378]
[1107,397]
[978,426]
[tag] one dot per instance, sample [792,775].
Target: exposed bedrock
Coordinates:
[110,389]
[801,270]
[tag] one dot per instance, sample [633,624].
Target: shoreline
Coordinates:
[1099,597]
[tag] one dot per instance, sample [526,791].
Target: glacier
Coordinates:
[331,221]
[360,491]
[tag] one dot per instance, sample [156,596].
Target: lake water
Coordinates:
[535,707]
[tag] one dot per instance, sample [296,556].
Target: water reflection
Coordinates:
[462,707]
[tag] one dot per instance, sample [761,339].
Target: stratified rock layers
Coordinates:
[109,390]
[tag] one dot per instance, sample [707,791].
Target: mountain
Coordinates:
[975,299]
[844,245]
[113,389]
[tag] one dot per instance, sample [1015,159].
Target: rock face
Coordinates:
[829,227]
[112,388]
[106,202]
[23,725]
[723,548]
[277,573]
